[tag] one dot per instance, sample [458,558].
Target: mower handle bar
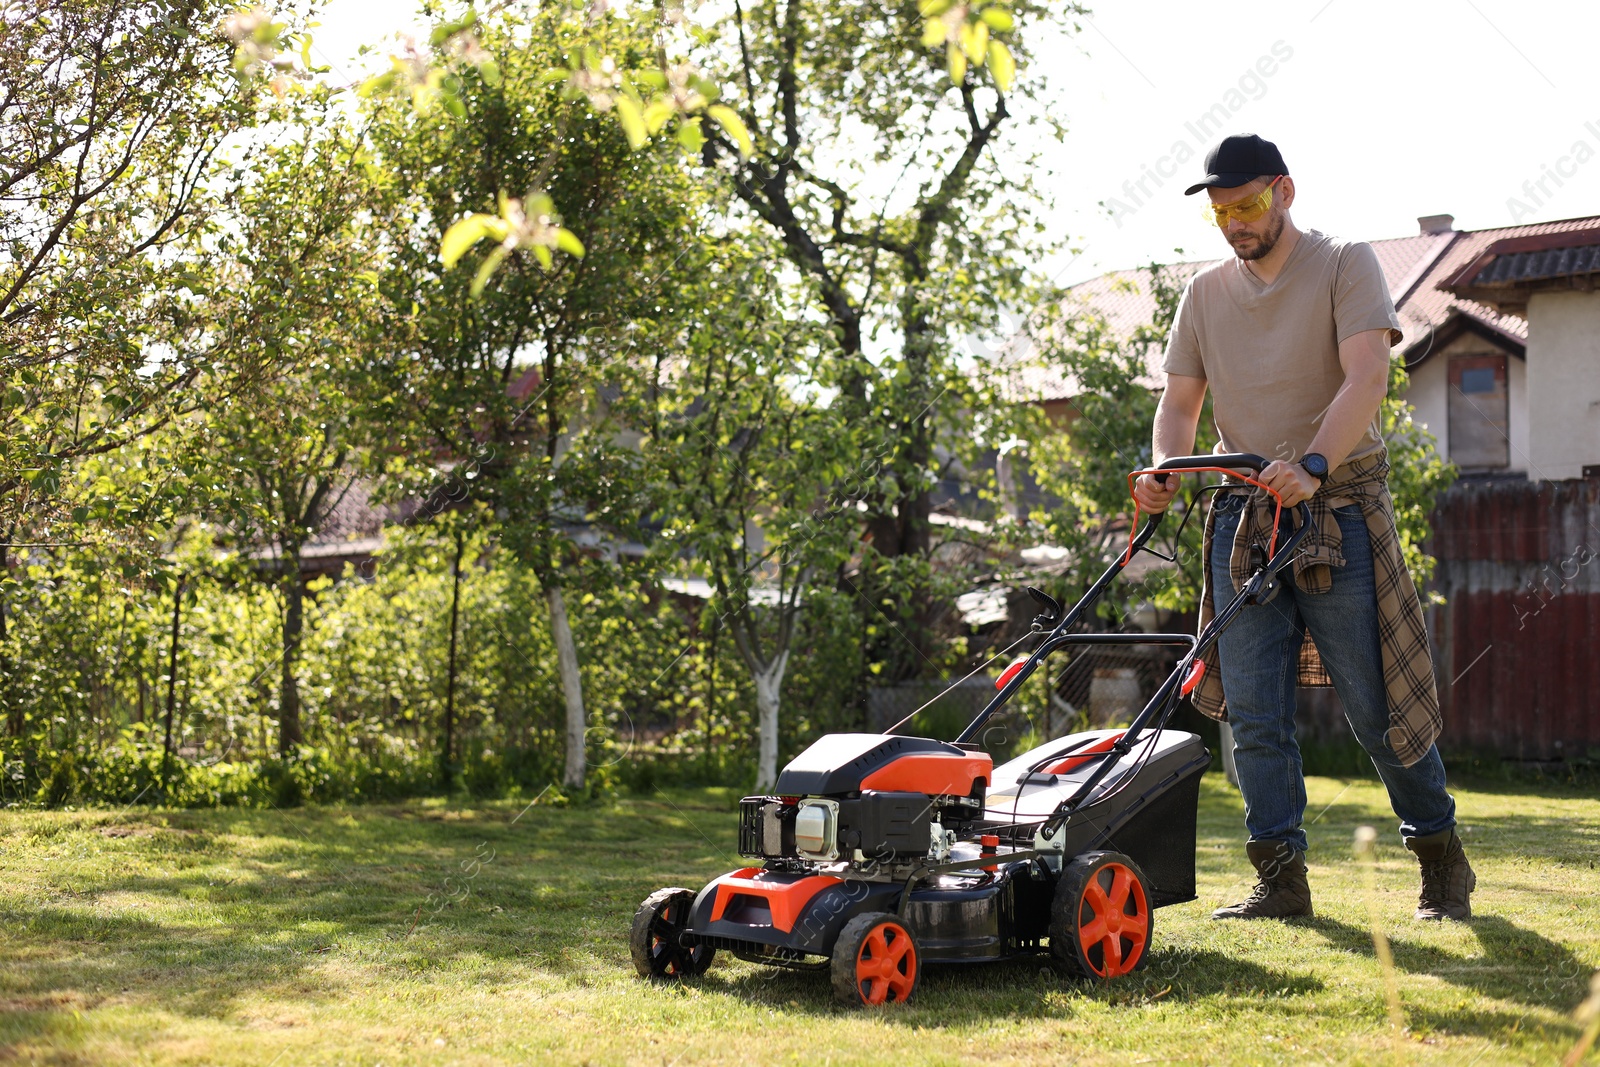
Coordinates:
[1245,460]
[1177,464]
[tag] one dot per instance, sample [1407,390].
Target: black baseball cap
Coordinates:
[1239,159]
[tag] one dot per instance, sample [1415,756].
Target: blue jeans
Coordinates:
[1260,652]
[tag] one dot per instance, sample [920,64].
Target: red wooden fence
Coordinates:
[1517,643]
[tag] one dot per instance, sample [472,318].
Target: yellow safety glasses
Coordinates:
[1247,210]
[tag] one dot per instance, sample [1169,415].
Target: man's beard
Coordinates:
[1264,243]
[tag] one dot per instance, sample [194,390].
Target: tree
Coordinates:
[527,367]
[112,127]
[834,96]
[1084,465]
[749,463]
[288,449]
[291,468]
[1417,475]
[110,123]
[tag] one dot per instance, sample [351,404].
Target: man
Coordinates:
[1292,338]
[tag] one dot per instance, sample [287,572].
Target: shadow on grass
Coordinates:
[198,972]
[962,994]
[1576,782]
[1517,964]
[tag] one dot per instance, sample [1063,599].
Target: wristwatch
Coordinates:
[1316,465]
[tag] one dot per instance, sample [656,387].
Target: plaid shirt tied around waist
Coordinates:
[1414,717]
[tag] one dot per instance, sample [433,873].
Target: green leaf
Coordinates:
[452,103]
[568,242]
[975,41]
[998,18]
[446,30]
[632,122]
[489,71]
[934,8]
[486,269]
[689,134]
[730,121]
[540,204]
[542,254]
[705,87]
[379,83]
[934,32]
[656,114]
[1002,65]
[957,61]
[462,235]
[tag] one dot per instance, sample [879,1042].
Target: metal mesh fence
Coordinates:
[1106,685]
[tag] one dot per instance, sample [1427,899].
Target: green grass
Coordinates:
[309,936]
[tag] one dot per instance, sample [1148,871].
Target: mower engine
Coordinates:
[866,799]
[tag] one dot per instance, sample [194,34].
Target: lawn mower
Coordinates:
[878,854]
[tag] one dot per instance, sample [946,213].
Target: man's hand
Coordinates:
[1290,480]
[1152,495]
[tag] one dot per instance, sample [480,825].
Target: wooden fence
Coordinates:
[1516,645]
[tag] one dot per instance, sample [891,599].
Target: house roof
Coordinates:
[1509,269]
[354,529]
[1417,269]
[1533,266]
[1429,307]
[1124,300]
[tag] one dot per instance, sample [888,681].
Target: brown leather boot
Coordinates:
[1447,878]
[1281,890]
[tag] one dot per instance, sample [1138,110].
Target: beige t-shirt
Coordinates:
[1271,352]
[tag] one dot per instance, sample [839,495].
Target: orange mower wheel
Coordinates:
[875,961]
[1101,920]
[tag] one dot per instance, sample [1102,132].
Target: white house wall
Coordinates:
[1517,401]
[1429,396]
[1564,383]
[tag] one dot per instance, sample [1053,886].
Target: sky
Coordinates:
[1385,110]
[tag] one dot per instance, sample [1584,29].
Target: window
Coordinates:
[1479,428]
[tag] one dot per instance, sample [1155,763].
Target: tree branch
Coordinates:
[748,68]
[936,210]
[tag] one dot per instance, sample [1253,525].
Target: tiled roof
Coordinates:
[354,518]
[1124,300]
[1427,306]
[1414,267]
[1404,258]
[1529,266]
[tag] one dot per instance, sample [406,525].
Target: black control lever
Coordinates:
[1052,609]
[1160,480]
